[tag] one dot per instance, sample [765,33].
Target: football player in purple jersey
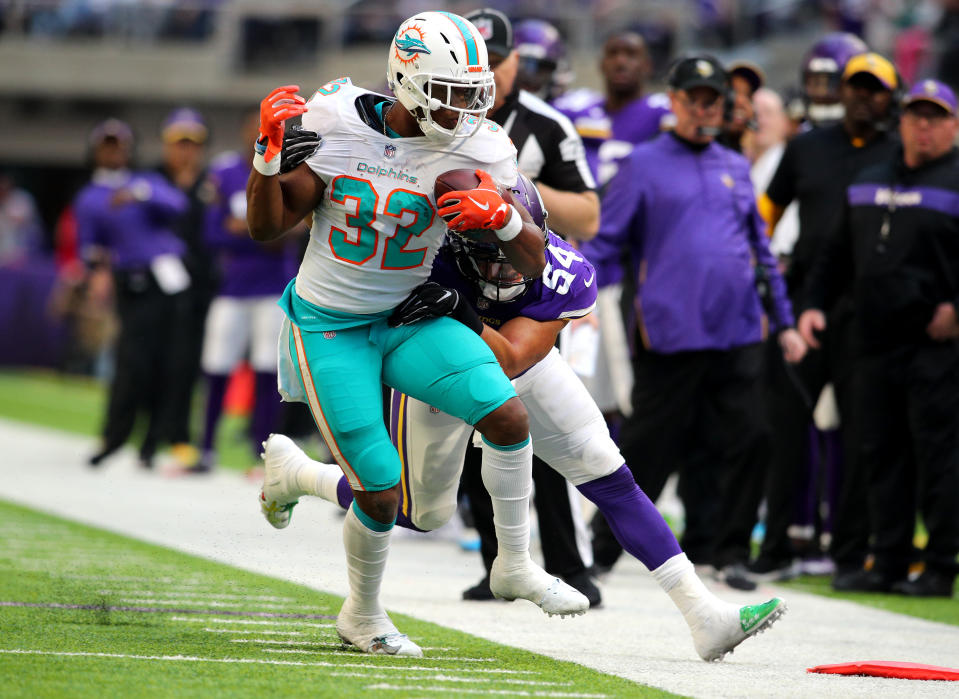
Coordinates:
[520,319]
[612,123]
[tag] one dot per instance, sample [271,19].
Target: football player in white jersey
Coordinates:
[523,317]
[376,230]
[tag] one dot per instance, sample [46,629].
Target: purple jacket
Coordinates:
[689,218]
[134,233]
[246,268]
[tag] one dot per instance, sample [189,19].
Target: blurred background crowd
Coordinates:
[149,106]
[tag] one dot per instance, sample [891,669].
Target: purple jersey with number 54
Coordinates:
[567,288]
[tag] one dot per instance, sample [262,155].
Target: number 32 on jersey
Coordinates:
[359,199]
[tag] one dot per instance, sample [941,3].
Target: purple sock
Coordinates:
[266,407]
[215,392]
[632,516]
[345,495]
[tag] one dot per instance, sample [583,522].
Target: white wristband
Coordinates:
[266,168]
[512,228]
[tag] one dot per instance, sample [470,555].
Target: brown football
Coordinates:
[458,181]
[455,181]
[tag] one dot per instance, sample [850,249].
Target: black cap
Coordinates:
[495,28]
[750,72]
[698,71]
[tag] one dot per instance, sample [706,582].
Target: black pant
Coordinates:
[551,496]
[198,299]
[149,354]
[699,413]
[790,395]
[909,401]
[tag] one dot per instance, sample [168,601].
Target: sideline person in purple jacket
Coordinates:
[124,221]
[684,207]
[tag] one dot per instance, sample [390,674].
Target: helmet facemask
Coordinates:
[486,266]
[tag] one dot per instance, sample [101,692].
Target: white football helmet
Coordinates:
[437,61]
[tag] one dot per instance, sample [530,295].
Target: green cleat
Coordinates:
[720,631]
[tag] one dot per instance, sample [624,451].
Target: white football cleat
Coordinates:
[375,635]
[279,455]
[529,581]
[720,631]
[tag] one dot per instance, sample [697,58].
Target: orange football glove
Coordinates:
[279,105]
[482,207]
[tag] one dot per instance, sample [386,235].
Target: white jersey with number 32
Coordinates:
[375,232]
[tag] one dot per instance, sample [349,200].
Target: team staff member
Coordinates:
[551,153]
[185,135]
[900,240]
[685,207]
[744,79]
[125,223]
[815,170]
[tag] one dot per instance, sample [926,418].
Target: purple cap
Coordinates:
[540,40]
[111,128]
[184,125]
[932,91]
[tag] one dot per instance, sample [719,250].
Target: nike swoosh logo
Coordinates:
[590,282]
[484,207]
[445,296]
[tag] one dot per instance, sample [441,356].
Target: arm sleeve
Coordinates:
[89,232]
[166,200]
[782,307]
[620,222]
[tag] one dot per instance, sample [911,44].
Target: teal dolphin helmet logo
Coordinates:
[411,45]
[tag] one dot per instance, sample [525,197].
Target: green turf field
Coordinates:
[87,613]
[76,404]
[939,609]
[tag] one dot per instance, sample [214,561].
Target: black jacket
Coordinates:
[899,239]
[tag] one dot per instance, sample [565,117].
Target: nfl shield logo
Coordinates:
[482,304]
[329,334]
[485,26]
[389,150]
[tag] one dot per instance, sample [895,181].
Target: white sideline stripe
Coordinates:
[123,578]
[337,652]
[199,595]
[277,642]
[200,600]
[263,631]
[449,678]
[457,690]
[258,622]
[249,661]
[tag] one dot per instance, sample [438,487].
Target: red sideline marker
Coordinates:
[889,668]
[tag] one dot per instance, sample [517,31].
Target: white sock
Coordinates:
[366,554]
[318,479]
[678,578]
[508,477]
